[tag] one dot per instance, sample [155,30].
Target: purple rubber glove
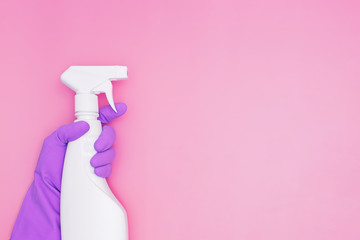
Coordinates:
[39,216]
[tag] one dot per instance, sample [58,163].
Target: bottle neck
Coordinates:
[86,116]
[86,106]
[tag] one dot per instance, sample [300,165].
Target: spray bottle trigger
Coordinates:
[106,87]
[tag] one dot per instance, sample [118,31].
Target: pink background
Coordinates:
[243,117]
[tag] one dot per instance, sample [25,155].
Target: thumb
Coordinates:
[106,114]
[72,131]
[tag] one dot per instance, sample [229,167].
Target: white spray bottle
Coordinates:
[89,210]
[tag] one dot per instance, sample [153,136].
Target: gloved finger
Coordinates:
[106,114]
[103,158]
[104,171]
[72,131]
[105,140]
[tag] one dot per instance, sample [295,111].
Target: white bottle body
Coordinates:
[88,210]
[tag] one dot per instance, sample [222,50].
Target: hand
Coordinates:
[51,160]
[39,217]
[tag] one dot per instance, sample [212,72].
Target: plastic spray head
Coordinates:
[87,81]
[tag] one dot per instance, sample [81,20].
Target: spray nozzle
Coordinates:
[86,80]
